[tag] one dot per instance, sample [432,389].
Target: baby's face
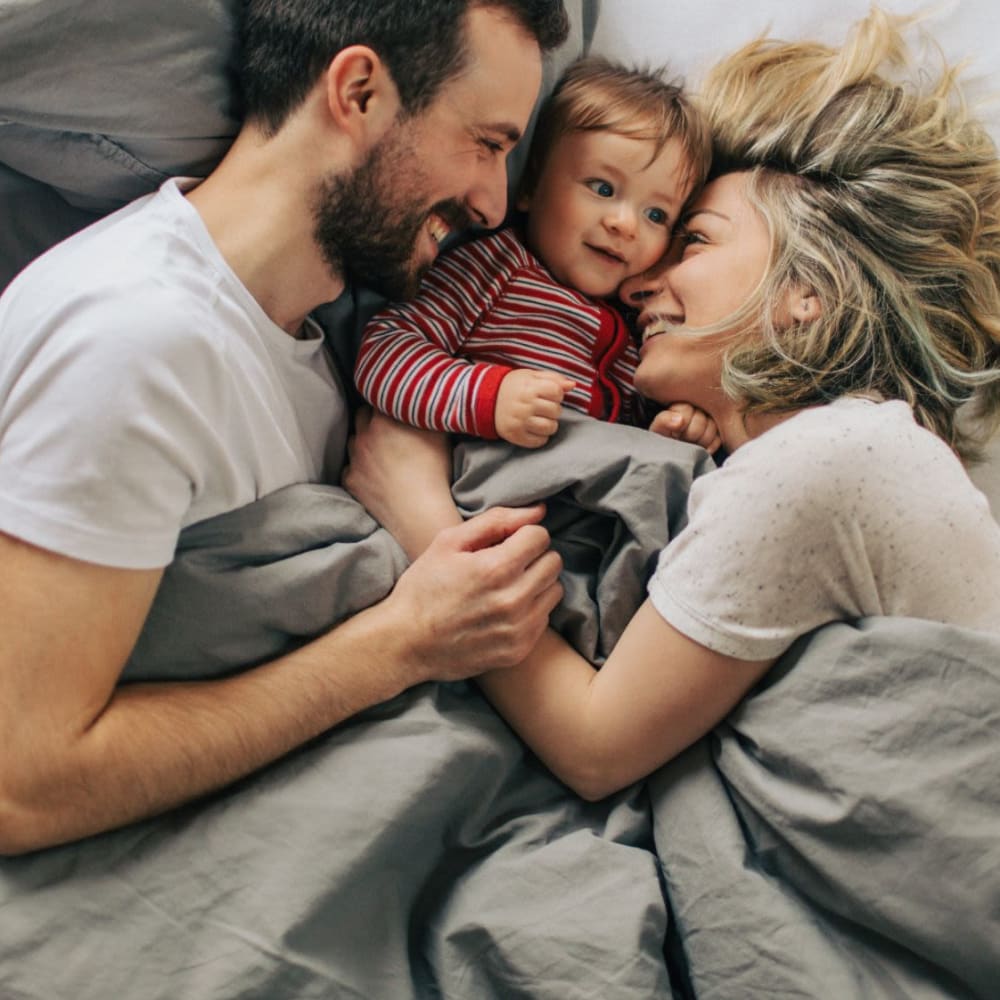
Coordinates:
[602,211]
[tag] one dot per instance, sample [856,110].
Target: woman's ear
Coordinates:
[805,306]
[361,97]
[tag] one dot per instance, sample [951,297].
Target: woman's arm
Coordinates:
[600,730]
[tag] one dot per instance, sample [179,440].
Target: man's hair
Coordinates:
[883,199]
[597,95]
[285,45]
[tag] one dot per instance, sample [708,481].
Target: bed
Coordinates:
[420,850]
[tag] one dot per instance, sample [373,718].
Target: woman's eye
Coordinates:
[657,216]
[688,239]
[492,145]
[601,188]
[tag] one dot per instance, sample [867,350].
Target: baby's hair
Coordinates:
[597,95]
[883,199]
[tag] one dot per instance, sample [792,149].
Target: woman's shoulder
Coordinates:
[848,433]
[830,458]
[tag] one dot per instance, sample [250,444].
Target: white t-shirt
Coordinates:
[840,512]
[142,389]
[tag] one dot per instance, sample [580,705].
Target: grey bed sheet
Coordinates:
[416,851]
[838,836]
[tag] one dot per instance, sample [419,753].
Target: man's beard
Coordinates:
[367,228]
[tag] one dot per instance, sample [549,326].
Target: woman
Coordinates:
[835,299]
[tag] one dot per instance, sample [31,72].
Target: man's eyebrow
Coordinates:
[509,131]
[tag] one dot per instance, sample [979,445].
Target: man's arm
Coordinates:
[79,754]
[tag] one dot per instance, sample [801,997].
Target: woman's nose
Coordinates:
[636,290]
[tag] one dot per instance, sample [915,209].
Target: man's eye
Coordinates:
[657,216]
[492,145]
[601,188]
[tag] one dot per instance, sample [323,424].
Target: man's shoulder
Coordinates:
[114,283]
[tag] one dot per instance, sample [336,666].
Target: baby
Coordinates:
[508,328]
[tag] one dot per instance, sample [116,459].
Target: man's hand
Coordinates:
[480,595]
[479,592]
[684,422]
[528,406]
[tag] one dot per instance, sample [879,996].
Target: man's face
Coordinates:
[437,172]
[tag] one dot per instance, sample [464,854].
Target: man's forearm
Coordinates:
[79,755]
[156,746]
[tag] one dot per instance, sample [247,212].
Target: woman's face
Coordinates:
[720,256]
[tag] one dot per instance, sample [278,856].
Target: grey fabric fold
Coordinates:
[255,582]
[839,835]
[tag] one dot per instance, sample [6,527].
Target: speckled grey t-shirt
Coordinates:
[840,512]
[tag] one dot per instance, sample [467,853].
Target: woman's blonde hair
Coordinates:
[883,200]
[595,94]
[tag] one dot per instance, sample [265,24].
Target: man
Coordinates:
[161,367]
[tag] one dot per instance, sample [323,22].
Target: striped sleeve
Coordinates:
[409,364]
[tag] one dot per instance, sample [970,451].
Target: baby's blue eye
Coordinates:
[602,188]
[657,216]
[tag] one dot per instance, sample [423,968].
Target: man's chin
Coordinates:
[398,286]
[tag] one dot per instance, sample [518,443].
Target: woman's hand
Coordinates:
[402,476]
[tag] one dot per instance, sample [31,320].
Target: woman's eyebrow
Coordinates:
[704,211]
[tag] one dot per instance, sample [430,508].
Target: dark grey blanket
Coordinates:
[838,836]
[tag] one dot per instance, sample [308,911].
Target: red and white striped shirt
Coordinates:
[485,308]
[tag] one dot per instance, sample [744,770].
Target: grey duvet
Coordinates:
[838,836]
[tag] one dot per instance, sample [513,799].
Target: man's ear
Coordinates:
[804,305]
[361,96]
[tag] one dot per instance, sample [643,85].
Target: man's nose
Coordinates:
[487,201]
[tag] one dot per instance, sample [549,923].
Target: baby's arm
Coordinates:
[528,406]
[408,364]
[685,422]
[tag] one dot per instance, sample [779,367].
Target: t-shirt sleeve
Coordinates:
[771,550]
[103,438]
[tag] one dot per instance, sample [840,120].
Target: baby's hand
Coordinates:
[685,422]
[528,406]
